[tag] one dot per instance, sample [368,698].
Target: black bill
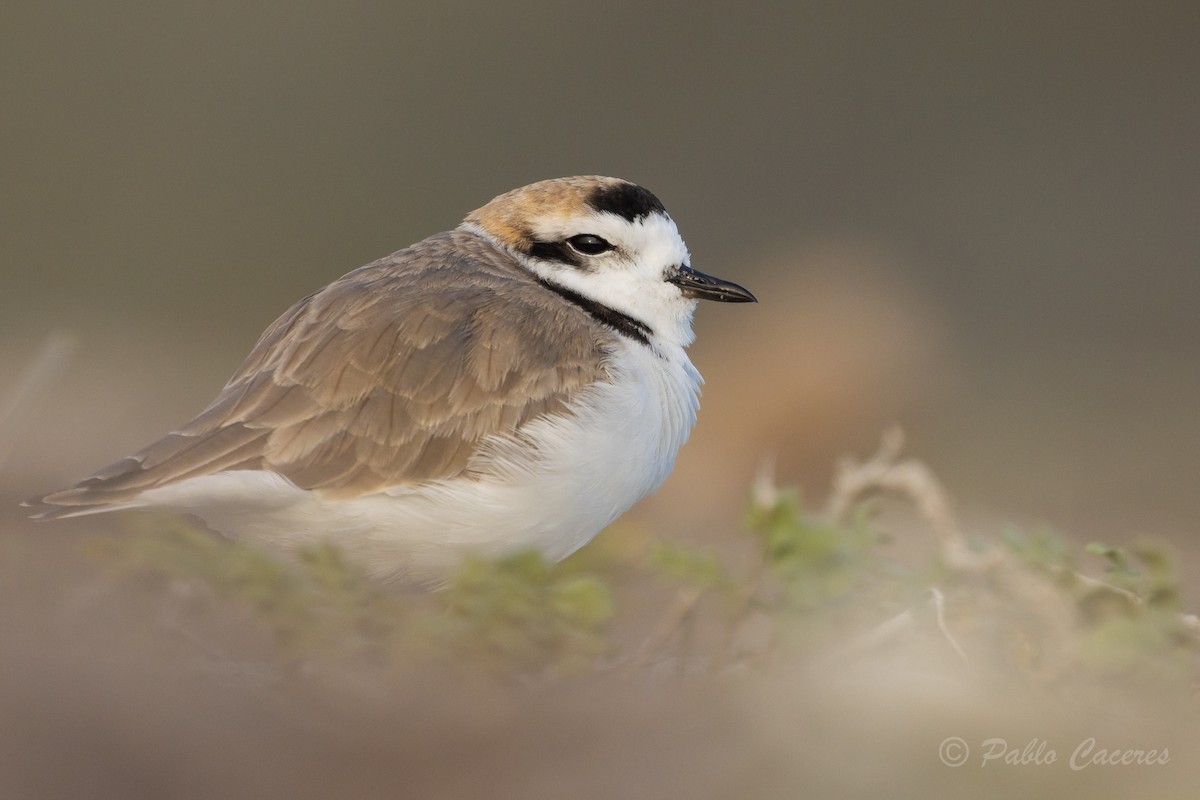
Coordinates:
[706,287]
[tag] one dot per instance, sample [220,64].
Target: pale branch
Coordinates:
[52,358]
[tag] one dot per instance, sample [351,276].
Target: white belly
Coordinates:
[552,489]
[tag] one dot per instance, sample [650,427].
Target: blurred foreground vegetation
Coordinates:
[826,649]
[818,586]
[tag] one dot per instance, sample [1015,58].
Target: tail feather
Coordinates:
[92,496]
[173,458]
[61,506]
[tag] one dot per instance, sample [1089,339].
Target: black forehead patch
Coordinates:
[627,200]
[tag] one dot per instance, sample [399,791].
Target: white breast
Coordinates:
[553,488]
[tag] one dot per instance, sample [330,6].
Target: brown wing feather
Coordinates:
[390,375]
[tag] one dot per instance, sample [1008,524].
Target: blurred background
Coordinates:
[979,221]
[976,220]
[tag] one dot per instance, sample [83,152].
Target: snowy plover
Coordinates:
[517,382]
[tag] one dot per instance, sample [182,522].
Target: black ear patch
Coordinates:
[556,251]
[626,200]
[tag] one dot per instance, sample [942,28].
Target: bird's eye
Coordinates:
[588,244]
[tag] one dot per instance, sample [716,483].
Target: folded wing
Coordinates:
[392,375]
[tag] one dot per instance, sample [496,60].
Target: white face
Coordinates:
[621,264]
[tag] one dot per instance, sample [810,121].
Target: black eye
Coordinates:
[588,244]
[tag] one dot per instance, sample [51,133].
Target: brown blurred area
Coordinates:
[976,220]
